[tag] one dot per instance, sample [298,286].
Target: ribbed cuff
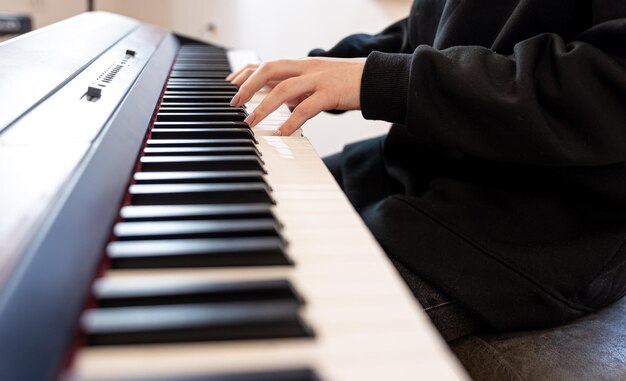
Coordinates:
[384,86]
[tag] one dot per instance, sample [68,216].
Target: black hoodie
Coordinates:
[503,181]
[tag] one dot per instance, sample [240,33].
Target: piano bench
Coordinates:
[590,348]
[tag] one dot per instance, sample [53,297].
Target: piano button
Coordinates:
[132,292]
[227,116]
[203,133]
[166,194]
[193,323]
[204,151]
[193,212]
[154,230]
[201,163]
[186,253]
[277,375]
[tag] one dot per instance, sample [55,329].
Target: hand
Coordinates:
[311,85]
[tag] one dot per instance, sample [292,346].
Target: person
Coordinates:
[500,190]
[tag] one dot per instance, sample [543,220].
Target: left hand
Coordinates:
[312,85]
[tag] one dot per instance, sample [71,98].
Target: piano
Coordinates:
[146,233]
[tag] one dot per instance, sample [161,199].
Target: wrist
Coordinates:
[384,86]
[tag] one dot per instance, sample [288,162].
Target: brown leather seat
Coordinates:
[590,348]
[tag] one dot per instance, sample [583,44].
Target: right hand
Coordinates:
[240,76]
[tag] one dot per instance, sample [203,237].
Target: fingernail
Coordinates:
[249,119]
[228,77]
[276,133]
[235,100]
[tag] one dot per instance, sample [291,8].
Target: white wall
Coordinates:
[272,28]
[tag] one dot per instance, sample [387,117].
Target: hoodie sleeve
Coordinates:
[394,39]
[548,103]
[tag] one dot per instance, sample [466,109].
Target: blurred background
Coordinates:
[271,28]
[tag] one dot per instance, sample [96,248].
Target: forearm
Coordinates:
[393,39]
[548,103]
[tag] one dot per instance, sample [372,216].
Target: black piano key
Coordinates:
[179,105]
[197,98]
[199,74]
[191,67]
[199,177]
[201,109]
[197,124]
[154,230]
[202,133]
[216,116]
[201,163]
[127,293]
[193,323]
[194,212]
[185,253]
[204,81]
[220,193]
[275,375]
[196,87]
[200,151]
[196,92]
[200,143]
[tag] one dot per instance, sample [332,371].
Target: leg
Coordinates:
[333,163]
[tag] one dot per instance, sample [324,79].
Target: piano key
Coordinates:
[204,81]
[197,98]
[213,66]
[184,253]
[195,86]
[191,212]
[199,74]
[196,92]
[200,143]
[302,374]
[153,230]
[202,177]
[223,116]
[167,194]
[178,105]
[203,133]
[198,124]
[193,323]
[201,163]
[196,108]
[133,292]
[206,151]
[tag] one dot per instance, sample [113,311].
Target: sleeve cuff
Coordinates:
[384,86]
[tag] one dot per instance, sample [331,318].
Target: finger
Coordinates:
[236,73]
[286,90]
[242,77]
[271,71]
[306,110]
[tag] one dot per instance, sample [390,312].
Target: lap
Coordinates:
[451,319]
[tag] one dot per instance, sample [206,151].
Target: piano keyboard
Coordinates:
[236,257]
